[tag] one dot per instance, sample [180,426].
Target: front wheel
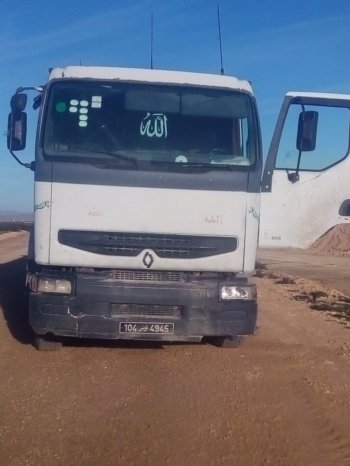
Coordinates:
[233,341]
[47,343]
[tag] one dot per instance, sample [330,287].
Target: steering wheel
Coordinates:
[103,137]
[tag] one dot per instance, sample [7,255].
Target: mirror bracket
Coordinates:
[293,177]
[30,165]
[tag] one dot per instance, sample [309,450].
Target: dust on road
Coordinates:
[281,399]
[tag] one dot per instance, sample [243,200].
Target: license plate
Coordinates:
[146,328]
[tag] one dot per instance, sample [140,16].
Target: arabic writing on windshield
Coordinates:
[154,125]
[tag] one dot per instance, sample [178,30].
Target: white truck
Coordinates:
[146,204]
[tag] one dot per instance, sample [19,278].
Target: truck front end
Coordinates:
[147,194]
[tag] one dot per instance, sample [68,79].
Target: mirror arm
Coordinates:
[298,164]
[30,88]
[294,176]
[30,166]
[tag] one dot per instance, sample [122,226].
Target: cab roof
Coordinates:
[150,75]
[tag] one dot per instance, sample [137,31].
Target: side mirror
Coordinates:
[16,130]
[307,131]
[18,102]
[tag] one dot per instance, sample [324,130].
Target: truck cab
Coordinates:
[146,205]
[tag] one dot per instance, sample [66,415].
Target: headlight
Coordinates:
[228,293]
[50,285]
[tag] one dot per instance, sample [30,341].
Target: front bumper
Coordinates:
[100,303]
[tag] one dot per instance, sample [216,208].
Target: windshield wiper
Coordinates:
[116,155]
[189,165]
[210,166]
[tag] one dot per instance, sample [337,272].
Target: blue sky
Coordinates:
[278,45]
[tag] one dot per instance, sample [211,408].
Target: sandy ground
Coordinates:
[280,399]
[11,234]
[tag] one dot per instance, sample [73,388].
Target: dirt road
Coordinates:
[281,399]
[333,271]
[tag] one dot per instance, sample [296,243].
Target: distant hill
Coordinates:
[12,216]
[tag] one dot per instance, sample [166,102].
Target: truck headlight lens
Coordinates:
[229,293]
[50,285]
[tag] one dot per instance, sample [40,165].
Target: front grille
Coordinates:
[132,244]
[145,275]
[145,310]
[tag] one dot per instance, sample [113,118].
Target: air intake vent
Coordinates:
[145,310]
[145,275]
[132,244]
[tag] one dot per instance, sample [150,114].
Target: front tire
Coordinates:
[233,341]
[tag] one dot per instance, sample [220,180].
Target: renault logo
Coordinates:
[148,260]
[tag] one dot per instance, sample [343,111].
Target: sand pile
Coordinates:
[336,241]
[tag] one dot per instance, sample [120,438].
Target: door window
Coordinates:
[332,142]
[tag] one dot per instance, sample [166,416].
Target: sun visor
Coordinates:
[148,101]
[226,106]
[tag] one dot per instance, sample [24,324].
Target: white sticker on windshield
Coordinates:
[96,101]
[154,125]
[81,107]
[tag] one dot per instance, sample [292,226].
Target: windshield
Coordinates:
[145,125]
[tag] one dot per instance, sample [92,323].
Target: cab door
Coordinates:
[305,187]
